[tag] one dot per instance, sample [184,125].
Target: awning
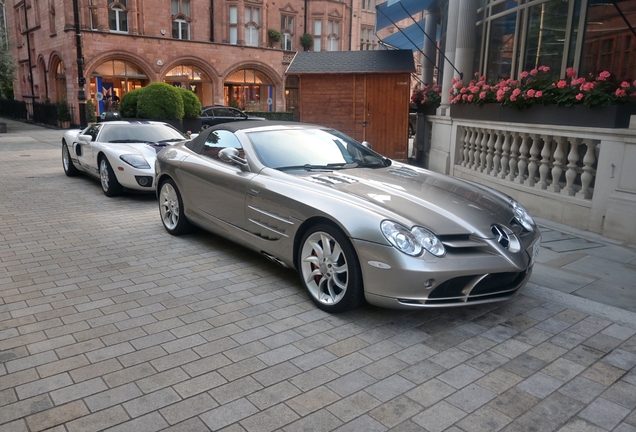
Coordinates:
[410,38]
[396,10]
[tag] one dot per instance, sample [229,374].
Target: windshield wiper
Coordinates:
[310,167]
[171,140]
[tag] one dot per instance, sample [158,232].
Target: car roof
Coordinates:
[140,122]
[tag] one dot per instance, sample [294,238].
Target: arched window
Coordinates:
[181,19]
[118,16]
[252,25]
[249,90]
[287,30]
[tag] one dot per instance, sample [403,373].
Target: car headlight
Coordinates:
[134,160]
[412,242]
[522,216]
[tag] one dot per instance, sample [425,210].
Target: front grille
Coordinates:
[491,284]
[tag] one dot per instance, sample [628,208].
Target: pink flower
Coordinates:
[451,99]
[633,95]
[538,94]
[620,93]
[534,72]
[579,96]
[544,68]
[513,98]
[524,74]
[634,83]
[531,93]
[470,98]
[463,90]
[516,92]
[625,84]
[578,81]
[570,72]
[482,95]
[603,76]
[464,97]
[486,87]
[561,84]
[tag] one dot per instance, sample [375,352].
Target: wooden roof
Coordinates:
[351,62]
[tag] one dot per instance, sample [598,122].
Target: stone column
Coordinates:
[430,51]
[465,44]
[449,51]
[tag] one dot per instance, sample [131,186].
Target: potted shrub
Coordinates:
[63,114]
[306,41]
[274,37]
[91,117]
[162,102]
[128,103]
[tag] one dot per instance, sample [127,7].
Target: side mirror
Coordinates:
[231,155]
[85,138]
[367,144]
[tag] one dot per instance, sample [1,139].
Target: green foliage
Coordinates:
[191,104]
[91,117]
[306,41]
[63,111]
[160,101]
[274,35]
[7,68]
[128,103]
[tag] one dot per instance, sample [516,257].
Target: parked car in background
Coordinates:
[222,114]
[121,154]
[354,224]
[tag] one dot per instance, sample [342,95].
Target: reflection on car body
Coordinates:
[355,224]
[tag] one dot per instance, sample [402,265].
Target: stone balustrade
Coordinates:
[561,164]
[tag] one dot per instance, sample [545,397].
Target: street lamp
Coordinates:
[81,81]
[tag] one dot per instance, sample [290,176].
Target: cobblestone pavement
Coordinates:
[109,323]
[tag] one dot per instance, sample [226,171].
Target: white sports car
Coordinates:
[121,154]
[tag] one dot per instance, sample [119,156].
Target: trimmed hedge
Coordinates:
[191,104]
[128,103]
[273,115]
[160,101]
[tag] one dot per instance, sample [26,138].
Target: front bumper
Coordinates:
[395,280]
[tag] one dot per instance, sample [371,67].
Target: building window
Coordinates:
[251,26]
[181,19]
[118,16]
[233,25]
[287,30]
[333,36]
[367,39]
[317,35]
[180,29]
[368,5]
[92,10]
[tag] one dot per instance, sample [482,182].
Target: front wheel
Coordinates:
[171,209]
[330,269]
[67,163]
[110,185]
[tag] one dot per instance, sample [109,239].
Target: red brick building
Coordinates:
[220,49]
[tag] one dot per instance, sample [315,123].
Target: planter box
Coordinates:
[613,116]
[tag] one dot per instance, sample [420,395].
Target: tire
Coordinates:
[171,209]
[331,275]
[69,169]
[110,185]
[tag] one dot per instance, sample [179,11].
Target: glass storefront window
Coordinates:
[249,90]
[547,25]
[609,44]
[501,47]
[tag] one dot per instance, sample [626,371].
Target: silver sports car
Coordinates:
[355,224]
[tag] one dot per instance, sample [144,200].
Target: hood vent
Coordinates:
[332,179]
[404,172]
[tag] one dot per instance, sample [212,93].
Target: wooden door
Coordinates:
[386,114]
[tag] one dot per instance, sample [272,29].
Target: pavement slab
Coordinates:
[109,323]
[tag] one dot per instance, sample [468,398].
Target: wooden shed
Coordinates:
[364,94]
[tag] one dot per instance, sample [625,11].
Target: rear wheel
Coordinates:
[330,269]
[67,162]
[171,209]
[110,185]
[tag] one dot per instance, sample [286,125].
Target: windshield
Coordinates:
[311,149]
[134,132]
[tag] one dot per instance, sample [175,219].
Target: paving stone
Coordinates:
[623,394]
[430,392]
[460,376]
[353,406]
[621,359]
[603,373]
[227,414]
[439,417]
[351,383]
[313,400]
[471,398]
[514,402]
[78,391]
[558,407]
[273,395]
[582,389]
[320,421]
[149,423]
[485,419]
[98,421]
[56,416]
[604,413]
